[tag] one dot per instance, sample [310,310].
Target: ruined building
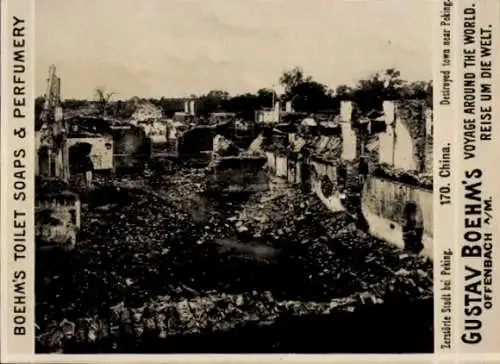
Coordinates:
[377,167]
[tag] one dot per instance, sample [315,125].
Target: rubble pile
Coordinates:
[55,213]
[163,317]
[325,254]
[49,185]
[412,178]
[278,143]
[156,257]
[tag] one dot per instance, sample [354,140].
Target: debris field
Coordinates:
[163,266]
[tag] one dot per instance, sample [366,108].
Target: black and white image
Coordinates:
[234,176]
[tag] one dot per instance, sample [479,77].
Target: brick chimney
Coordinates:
[192,108]
[277,111]
[349,140]
[387,139]
[346,111]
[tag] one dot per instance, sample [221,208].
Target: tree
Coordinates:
[343,92]
[306,95]
[370,93]
[311,97]
[102,99]
[293,78]
[218,94]
[392,81]
[265,97]
[243,105]
[419,90]
[214,100]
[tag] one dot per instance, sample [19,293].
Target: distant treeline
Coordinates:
[306,95]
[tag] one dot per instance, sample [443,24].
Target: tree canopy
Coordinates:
[305,93]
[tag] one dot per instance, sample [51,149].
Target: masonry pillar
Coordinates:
[349,142]
[387,139]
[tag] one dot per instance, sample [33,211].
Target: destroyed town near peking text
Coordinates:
[290,219]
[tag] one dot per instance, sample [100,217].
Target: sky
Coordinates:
[175,48]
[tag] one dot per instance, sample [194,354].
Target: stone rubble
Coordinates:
[158,257]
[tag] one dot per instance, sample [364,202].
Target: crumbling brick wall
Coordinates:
[413,115]
[57,219]
[239,173]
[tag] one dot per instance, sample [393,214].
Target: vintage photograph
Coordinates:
[249,176]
